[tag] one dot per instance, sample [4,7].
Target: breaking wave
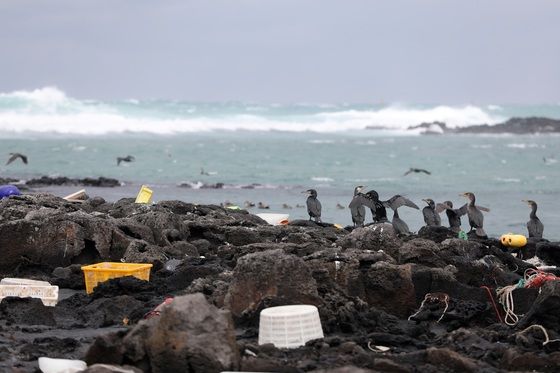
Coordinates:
[50,110]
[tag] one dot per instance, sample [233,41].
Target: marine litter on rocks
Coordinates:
[421,303]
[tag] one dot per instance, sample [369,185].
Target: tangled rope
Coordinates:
[546,339]
[532,279]
[535,279]
[434,298]
[505,297]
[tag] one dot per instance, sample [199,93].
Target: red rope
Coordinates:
[493,303]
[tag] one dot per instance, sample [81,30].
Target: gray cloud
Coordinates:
[502,51]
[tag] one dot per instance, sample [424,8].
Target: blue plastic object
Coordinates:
[8,190]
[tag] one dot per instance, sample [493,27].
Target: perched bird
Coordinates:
[454,215]
[399,225]
[286,206]
[380,212]
[417,170]
[262,206]
[358,206]
[431,213]
[474,212]
[394,203]
[534,225]
[14,156]
[128,158]
[313,205]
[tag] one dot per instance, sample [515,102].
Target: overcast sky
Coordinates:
[415,51]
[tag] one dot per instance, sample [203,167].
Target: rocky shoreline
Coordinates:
[224,266]
[515,126]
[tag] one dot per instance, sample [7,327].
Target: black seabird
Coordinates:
[14,156]
[474,212]
[358,206]
[431,213]
[417,170]
[380,212]
[128,158]
[534,225]
[454,215]
[313,205]
[394,203]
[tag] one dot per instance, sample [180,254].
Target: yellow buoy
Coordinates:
[513,240]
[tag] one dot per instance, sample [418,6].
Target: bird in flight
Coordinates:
[14,156]
[128,158]
[417,170]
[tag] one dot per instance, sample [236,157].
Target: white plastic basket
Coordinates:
[289,326]
[23,281]
[24,288]
[49,365]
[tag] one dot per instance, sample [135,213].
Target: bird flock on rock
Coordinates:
[360,201]
[431,212]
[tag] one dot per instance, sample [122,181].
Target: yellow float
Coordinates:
[513,240]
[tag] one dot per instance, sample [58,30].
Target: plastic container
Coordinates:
[513,240]
[145,195]
[24,288]
[23,281]
[275,219]
[100,272]
[289,326]
[49,365]
[9,190]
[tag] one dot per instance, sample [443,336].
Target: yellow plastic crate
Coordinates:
[100,272]
[145,195]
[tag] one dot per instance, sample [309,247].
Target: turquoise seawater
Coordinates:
[286,149]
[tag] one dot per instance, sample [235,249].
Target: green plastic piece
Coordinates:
[462,235]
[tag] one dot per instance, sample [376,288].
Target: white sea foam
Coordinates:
[322,179]
[50,110]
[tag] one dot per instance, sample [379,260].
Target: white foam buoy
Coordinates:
[289,326]
[49,365]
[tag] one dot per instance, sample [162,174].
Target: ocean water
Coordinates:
[282,150]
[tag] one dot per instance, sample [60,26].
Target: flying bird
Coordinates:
[417,170]
[14,156]
[128,158]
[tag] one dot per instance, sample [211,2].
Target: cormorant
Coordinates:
[14,156]
[380,213]
[417,170]
[454,215]
[431,213]
[313,205]
[357,206]
[394,203]
[534,225]
[128,158]
[474,212]
[398,224]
